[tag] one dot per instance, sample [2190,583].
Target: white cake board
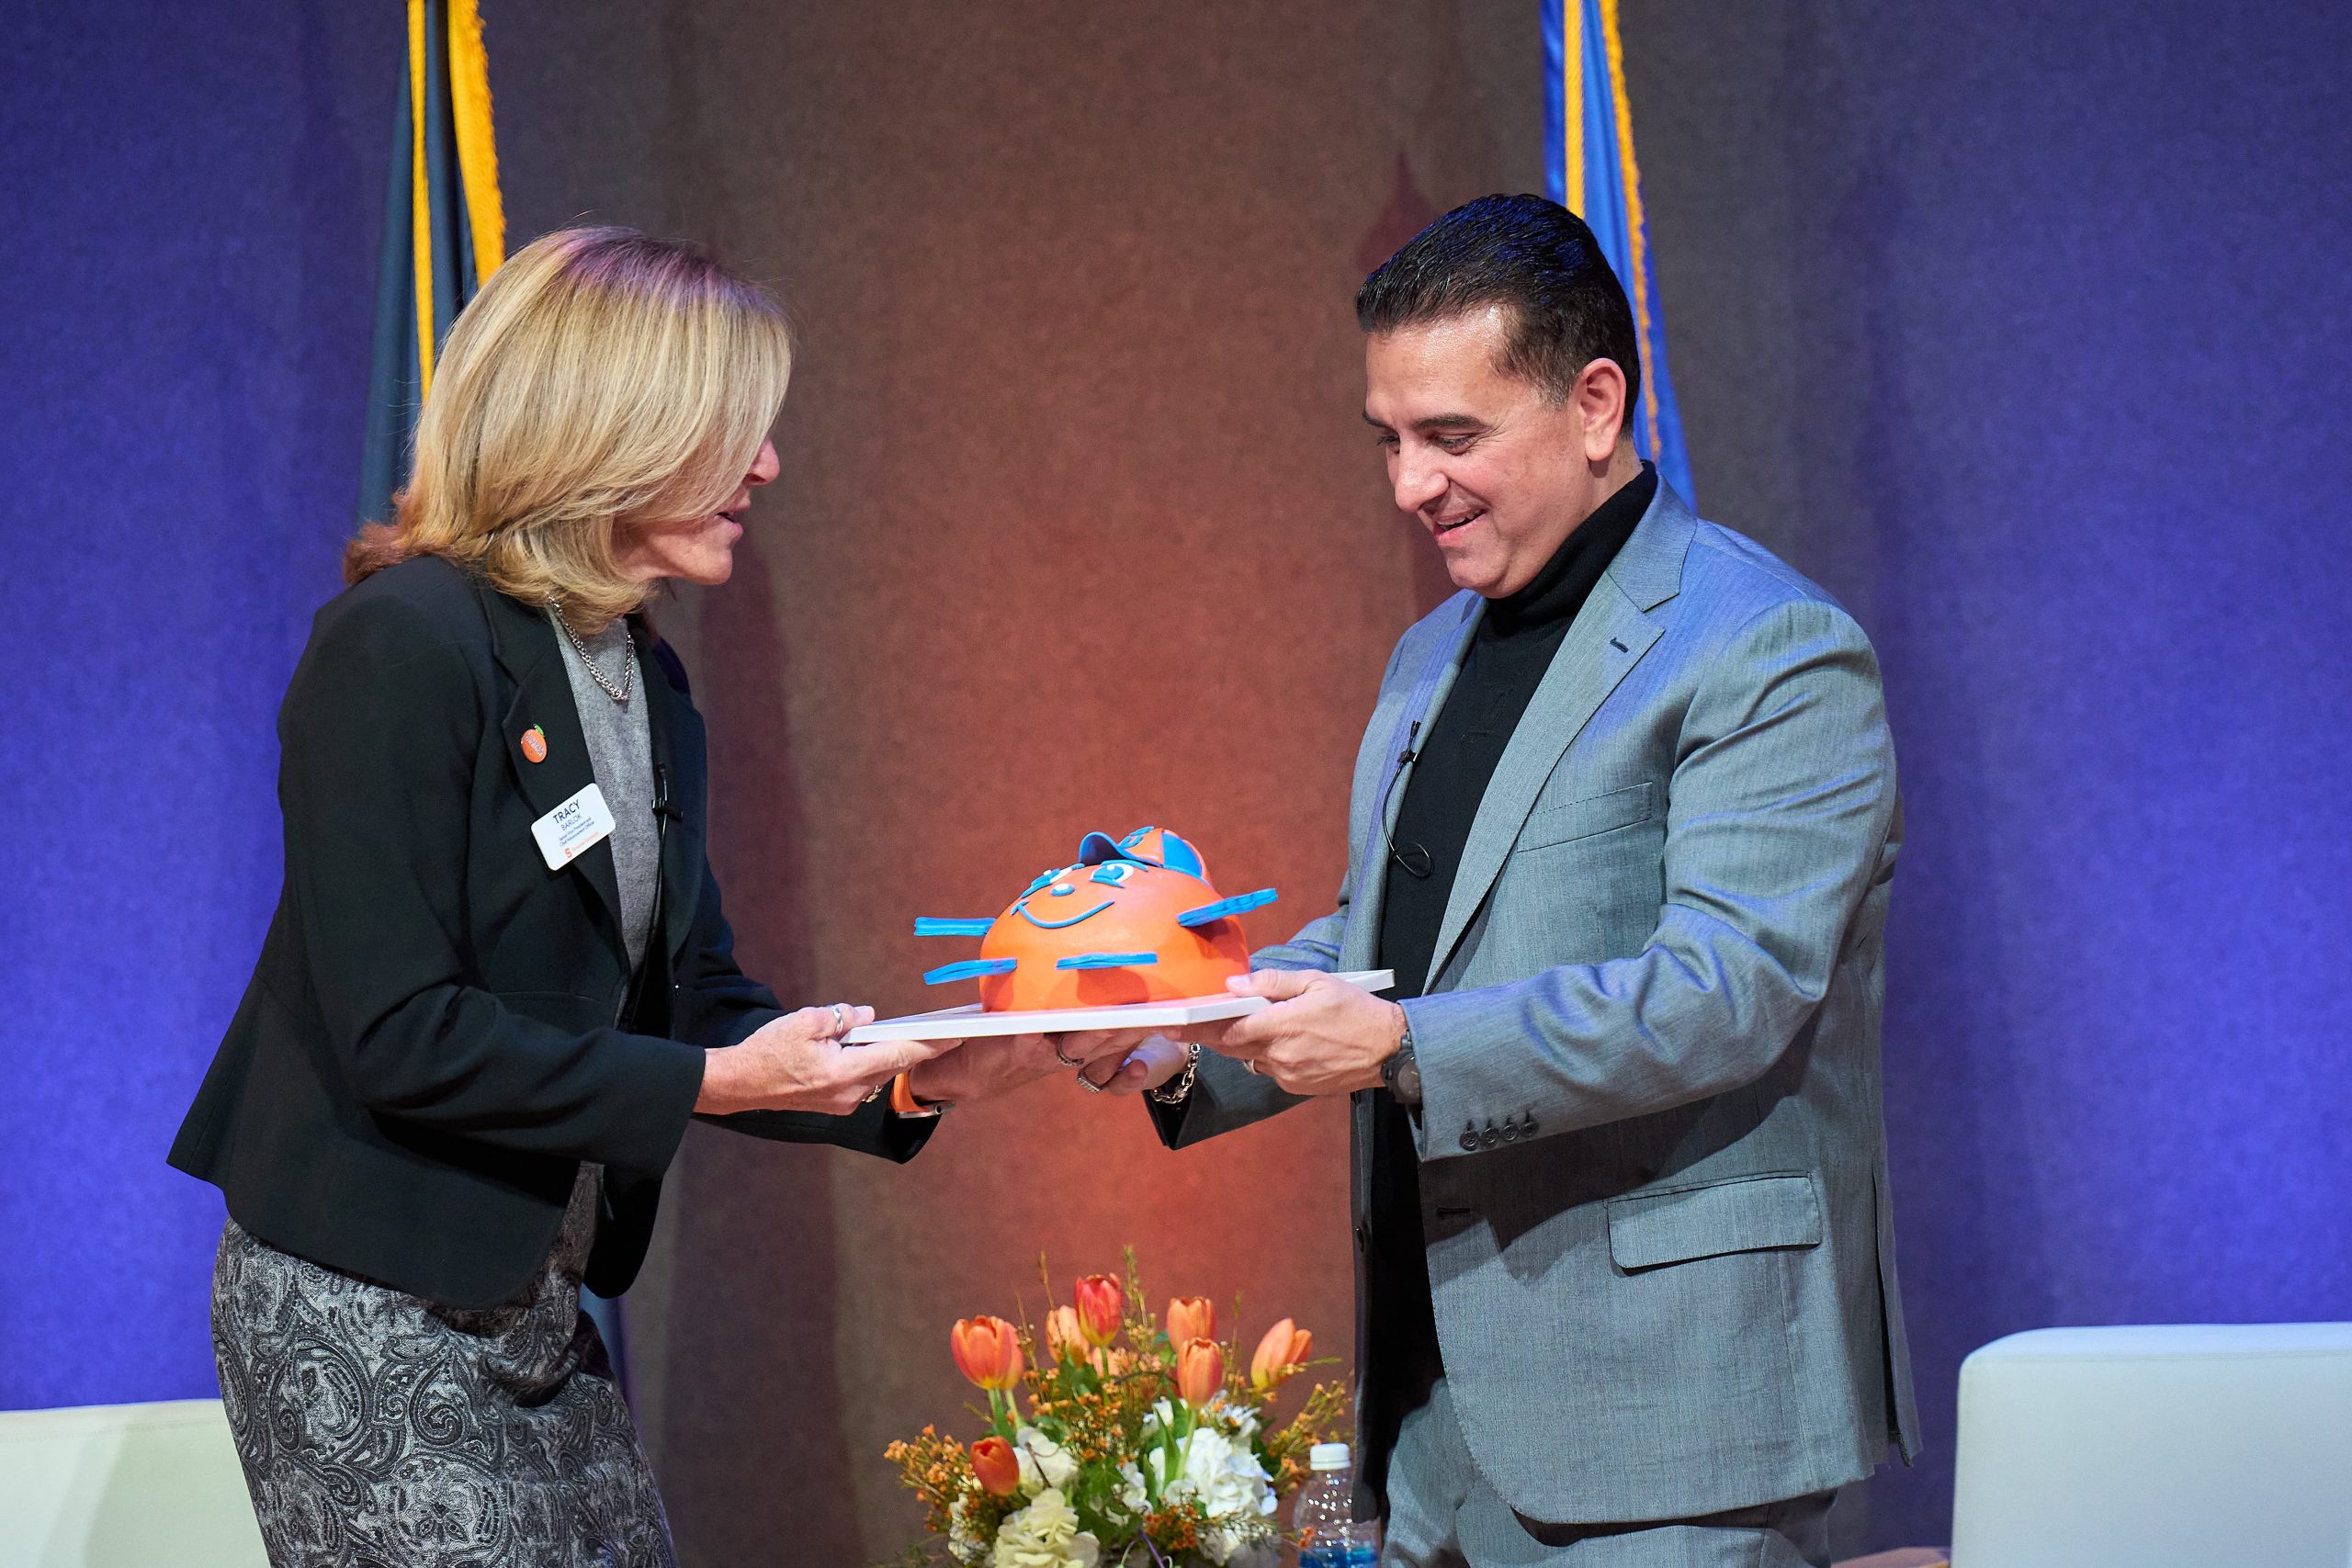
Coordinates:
[971,1022]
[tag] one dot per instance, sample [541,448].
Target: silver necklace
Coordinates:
[628,661]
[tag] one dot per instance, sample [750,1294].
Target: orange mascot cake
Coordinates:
[1133,922]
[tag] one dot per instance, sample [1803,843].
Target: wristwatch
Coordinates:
[1401,1074]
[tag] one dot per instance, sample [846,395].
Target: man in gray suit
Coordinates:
[1624,823]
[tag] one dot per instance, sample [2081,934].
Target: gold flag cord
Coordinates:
[476,145]
[1574,182]
[1636,241]
[420,211]
[470,115]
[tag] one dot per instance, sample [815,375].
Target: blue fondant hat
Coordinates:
[1146,846]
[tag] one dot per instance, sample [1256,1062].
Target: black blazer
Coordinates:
[440,1029]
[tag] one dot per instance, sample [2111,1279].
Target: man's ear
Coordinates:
[1599,399]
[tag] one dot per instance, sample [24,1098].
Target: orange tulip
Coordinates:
[997,1465]
[1064,1336]
[987,1352]
[1100,1305]
[1200,1371]
[1279,1354]
[1189,1318]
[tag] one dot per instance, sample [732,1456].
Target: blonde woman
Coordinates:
[498,982]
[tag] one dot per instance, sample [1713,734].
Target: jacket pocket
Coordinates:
[1746,1213]
[1583,819]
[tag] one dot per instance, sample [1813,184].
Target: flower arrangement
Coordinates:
[1144,1442]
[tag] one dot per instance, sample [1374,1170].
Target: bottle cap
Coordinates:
[1328,1456]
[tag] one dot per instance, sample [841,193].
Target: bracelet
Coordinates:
[1174,1092]
[904,1103]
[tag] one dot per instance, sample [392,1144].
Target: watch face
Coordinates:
[1402,1076]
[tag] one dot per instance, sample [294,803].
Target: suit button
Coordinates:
[1469,1138]
[1530,1129]
[1510,1130]
[1492,1137]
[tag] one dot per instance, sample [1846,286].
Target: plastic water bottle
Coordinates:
[1329,1535]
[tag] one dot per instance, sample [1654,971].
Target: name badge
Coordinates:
[578,824]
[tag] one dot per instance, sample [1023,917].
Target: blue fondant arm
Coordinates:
[1317,946]
[969,969]
[1239,904]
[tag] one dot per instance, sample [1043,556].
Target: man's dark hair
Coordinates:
[1562,305]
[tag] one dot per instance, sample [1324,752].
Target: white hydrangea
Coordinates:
[963,1542]
[1132,1496]
[1046,1535]
[1043,1462]
[1234,1490]
[1225,1476]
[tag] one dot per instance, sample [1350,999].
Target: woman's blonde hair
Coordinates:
[600,379]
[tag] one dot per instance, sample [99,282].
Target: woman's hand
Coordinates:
[797,1063]
[1150,1063]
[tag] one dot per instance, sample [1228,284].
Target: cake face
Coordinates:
[1132,921]
[1119,909]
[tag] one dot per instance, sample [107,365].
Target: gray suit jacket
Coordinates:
[1653,1170]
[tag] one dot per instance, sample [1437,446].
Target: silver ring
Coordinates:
[1247,1065]
[840,1023]
[1055,1042]
[1088,1085]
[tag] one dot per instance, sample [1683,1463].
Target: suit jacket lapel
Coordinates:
[527,651]
[678,753]
[1606,640]
[1369,883]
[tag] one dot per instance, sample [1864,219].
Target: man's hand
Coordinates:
[1153,1060]
[992,1065]
[1323,1035]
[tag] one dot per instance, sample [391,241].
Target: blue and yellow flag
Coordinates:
[1588,157]
[444,232]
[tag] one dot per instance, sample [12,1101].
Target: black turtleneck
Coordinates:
[1509,654]
[1506,661]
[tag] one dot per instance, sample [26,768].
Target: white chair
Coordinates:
[2182,1446]
[124,1486]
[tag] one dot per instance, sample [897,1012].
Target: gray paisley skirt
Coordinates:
[380,1430]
